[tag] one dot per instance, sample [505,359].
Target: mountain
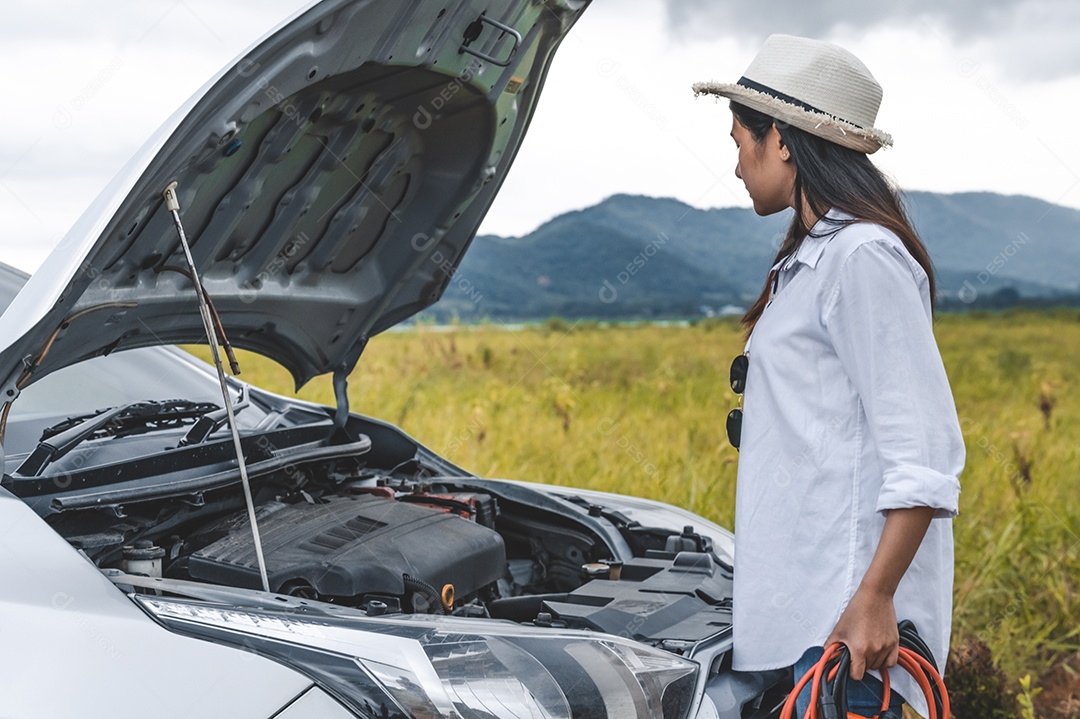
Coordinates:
[639,257]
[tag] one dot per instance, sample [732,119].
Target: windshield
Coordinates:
[151,373]
[122,378]
[157,372]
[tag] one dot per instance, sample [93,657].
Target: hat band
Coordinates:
[751,85]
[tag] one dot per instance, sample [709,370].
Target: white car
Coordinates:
[330,181]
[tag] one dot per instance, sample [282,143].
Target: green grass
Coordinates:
[640,410]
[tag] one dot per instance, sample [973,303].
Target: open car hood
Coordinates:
[329,182]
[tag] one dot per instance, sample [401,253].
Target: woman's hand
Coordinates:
[868,629]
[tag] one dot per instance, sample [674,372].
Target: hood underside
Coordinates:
[329,182]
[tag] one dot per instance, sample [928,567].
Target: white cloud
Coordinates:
[960,122]
[1033,38]
[87,83]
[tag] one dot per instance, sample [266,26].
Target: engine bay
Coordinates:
[391,530]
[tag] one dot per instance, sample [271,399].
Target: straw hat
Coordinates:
[813,85]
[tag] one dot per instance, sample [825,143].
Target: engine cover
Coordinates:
[672,603]
[350,546]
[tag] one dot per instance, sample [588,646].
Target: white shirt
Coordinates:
[847,414]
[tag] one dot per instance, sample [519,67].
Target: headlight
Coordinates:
[421,667]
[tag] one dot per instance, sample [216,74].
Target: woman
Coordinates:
[850,445]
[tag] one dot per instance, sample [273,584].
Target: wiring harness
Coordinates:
[828,680]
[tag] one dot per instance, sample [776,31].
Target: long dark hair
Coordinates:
[829,176]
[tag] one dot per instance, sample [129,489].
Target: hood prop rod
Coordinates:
[172,204]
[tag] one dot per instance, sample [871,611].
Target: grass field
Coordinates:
[640,410]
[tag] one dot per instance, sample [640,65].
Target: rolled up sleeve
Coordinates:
[880,325]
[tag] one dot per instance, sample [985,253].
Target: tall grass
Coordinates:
[1015,378]
[640,410]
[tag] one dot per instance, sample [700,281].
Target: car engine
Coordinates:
[358,548]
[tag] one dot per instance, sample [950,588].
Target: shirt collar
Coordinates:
[824,229]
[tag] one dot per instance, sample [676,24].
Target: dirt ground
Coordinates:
[1060,695]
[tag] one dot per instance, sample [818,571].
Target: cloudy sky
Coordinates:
[979,95]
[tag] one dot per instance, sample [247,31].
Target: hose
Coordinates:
[431,602]
[828,680]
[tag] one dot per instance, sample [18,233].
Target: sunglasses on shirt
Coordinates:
[737,378]
[739,367]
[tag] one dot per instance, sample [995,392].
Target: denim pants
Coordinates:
[864,697]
